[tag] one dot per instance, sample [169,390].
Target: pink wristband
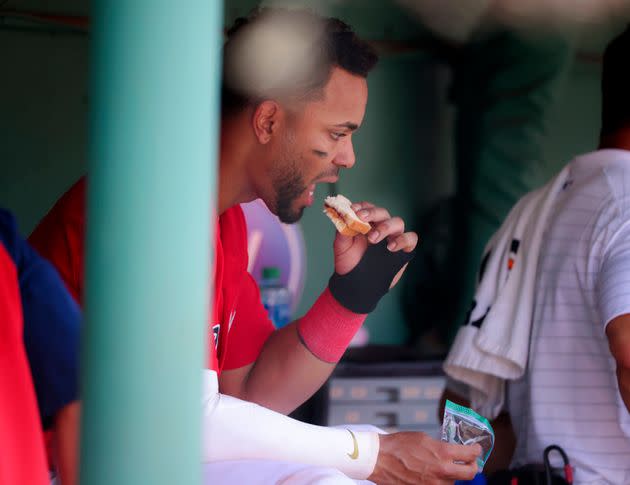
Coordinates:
[327,328]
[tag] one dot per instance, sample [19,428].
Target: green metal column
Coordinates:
[154,134]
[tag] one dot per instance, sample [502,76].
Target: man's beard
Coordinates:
[289,186]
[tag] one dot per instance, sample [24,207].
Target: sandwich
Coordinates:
[339,211]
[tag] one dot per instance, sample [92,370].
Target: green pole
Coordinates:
[152,174]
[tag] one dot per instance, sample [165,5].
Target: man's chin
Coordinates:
[290,216]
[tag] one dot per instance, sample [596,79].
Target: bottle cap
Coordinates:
[271,273]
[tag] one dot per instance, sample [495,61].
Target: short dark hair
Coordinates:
[616,84]
[324,43]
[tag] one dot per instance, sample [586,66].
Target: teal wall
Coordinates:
[575,118]
[43,120]
[404,152]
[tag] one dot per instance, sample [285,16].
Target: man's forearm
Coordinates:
[234,429]
[240,430]
[296,360]
[300,357]
[285,374]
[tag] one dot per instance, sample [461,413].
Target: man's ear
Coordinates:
[265,120]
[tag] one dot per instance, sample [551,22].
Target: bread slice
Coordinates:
[339,210]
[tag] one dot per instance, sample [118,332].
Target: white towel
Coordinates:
[493,346]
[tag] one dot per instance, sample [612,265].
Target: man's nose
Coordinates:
[345,156]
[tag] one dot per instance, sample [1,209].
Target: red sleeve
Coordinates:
[59,238]
[251,327]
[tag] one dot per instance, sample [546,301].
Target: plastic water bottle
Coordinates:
[275,297]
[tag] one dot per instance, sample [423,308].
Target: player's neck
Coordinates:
[233,177]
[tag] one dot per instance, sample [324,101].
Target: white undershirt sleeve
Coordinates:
[239,430]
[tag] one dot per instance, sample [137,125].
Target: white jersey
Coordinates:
[569,395]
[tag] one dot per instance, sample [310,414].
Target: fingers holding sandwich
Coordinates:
[368,212]
[386,227]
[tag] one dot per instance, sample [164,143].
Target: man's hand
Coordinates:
[349,250]
[415,458]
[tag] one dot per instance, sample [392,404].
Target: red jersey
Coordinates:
[238,322]
[22,459]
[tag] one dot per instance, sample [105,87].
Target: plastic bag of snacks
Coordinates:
[463,426]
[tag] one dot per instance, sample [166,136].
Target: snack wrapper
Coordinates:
[463,426]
